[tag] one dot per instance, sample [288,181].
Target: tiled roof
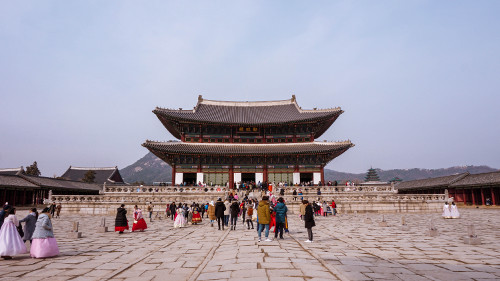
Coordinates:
[175,147]
[12,171]
[106,175]
[483,179]
[15,181]
[247,113]
[430,183]
[60,183]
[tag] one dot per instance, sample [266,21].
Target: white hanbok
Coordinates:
[454,212]
[11,243]
[446,211]
[180,220]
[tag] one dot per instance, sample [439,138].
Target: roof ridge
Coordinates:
[255,144]
[93,168]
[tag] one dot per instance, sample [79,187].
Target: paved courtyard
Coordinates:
[345,248]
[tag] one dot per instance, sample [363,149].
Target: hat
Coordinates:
[220,199]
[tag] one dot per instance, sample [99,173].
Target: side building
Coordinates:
[226,142]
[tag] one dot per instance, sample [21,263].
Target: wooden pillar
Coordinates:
[482,196]
[24,197]
[463,196]
[264,176]
[173,175]
[473,197]
[231,177]
[493,200]
[323,175]
[14,198]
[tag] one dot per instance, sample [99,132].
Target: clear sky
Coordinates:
[418,80]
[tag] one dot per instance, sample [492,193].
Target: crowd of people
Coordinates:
[37,230]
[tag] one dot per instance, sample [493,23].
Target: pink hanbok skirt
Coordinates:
[44,248]
[11,243]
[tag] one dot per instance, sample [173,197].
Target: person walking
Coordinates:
[211,213]
[226,212]
[302,209]
[11,243]
[121,222]
[309,221]
[52,209]
[172,210]
[235,210]
[29,224]
[139,222]
[455,214]
[280,211]
[249,215]
[325,209]
[58,210]
[150,209]
[334,207]
[44,244]
[243,208]
[264,217]
[220,209]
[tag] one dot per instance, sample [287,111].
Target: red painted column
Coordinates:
[463,196]
[473,197]
[173,175]
[264,177]
[231,177]
[493,200]
[323,175]
[482,196]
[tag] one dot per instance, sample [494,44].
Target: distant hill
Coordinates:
[151,169]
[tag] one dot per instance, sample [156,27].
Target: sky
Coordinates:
[418,80]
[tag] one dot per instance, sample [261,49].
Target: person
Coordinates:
[454,211]
[334,207]
[211,213]
[180,219]
[325,209]
[220,209]
[150,209]
[29,225]
[235,210]
[280,211]
[302,209]
[249,215]
[202,210]
[294,194]
[309,221]
[44,244]
[52,209]
[172,210]
[243,211]
[446,211]
[11,243]
[196,215]
[121,222]
[226,212]
[58,210]
[4,213]
[139,222]
[264,217]
[206,209]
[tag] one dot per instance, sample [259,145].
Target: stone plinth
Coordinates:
[472,240]
[75,235]
[433,232]
[102,229]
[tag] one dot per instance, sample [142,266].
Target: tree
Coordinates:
[89,177]
[32,170]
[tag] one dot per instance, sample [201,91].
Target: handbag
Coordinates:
[135,222]
[20,230]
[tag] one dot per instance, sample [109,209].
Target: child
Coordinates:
[249,216]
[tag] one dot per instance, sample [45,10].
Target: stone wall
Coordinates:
[366,200]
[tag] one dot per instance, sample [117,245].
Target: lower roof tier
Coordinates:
[166,149]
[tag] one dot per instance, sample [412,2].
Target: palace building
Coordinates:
[226,142]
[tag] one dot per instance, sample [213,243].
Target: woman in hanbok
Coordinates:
[196,215]
[30,224]
[454,211]
[44,244]
[139,222]
[446,211]
[11,243]
[121,222]
[180,220]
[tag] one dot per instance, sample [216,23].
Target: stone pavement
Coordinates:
[345,248]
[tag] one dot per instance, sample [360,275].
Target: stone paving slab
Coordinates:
[344,248]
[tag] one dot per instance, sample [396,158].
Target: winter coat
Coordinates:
[235,209]
[263,212]
[121,217]
[220,208]
[309,217]
[302,209]
[250,211]
[226,210]
[211,212]
[280,210]
[29,226]
[43,228]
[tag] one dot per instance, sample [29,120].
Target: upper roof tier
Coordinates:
[246,113]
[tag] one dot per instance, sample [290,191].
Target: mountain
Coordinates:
[151,169]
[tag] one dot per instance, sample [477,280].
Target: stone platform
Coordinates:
[344,248]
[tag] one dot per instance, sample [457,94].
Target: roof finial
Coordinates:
[293,98]
[200,98]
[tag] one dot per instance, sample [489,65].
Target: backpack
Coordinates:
[250,211]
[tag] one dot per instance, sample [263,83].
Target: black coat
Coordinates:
[235,209]
[219,209]
[121,217]
[309,217]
